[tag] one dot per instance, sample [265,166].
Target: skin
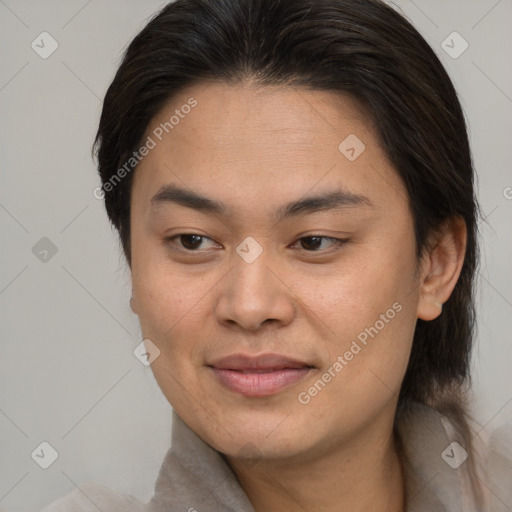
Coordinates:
[255,149]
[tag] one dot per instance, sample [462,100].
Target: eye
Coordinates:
[313,243]
[188,241]
[191,242]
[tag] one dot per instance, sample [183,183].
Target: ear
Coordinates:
[441,265]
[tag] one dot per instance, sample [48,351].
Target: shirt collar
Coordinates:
[431,484]
[195,477]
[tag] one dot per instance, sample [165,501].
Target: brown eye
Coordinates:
[314,243]
[188,242]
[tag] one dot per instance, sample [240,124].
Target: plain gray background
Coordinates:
[68,373]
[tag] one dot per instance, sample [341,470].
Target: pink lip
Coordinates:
[262,375]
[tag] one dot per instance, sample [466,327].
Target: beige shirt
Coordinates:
[195,478]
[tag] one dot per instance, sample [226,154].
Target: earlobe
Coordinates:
[441,267]
[429,309]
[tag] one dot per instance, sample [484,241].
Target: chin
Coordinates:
[258,433]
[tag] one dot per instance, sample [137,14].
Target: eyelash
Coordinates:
[338,242]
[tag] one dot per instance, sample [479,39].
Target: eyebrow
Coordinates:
[330,200]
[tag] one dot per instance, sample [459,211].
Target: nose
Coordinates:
[254,295]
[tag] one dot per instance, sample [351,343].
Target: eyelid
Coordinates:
[170,240]
[337,242]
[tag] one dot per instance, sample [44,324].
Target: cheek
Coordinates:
[365,283]
[165,294]
[168,316]
[368,316]
[167,307]
[372,321]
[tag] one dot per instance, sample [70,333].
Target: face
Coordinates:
[274,267]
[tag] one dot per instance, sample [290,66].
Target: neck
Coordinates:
[363,475]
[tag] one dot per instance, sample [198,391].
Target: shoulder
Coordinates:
[91,497]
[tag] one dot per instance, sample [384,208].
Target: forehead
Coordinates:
[264,140]
[250,114]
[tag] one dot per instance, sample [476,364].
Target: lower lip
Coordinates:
[260,384]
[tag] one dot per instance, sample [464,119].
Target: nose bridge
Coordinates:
[252,293]
[251,267]
[253,276]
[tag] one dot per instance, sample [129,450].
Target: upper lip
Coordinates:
[244,362]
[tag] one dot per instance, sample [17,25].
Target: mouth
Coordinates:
[259,376]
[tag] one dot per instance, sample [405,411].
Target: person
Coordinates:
[293,188]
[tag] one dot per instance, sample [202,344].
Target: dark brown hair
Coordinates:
[363,48]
